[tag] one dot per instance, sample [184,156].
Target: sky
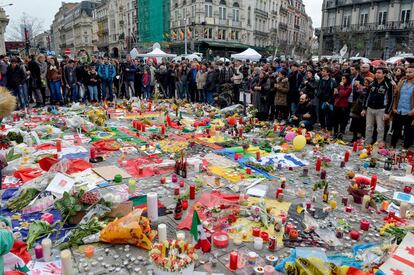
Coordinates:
[46,9]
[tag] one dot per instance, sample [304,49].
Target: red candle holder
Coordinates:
[176,191]
[346,156]
[234,258]
[163,180]
[256,232]
[264,236]
[407,189]
[181,184]
[354,234]
[248,171]
[348,209]
[279,191]
[174,178]
[221,239]
[192,191]
[258,158]
[184,204]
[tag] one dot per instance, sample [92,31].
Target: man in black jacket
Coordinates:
[378,105]
[35,80]
[211,84]
[325,92]
[15,80]
[305,113]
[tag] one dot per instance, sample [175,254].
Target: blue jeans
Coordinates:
[183,89]
[21,94]
[209,97]
[146,91]
[107,83]
[293,108]
[74,89]
[93,93]
[55,90]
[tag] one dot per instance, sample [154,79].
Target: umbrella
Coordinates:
[361,59]
[377,63]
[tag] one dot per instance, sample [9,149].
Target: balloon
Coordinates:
[290,136]
[299,142]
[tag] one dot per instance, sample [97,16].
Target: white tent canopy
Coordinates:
[247,54]
[157,53]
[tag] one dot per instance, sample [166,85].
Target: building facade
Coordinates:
[4,21]
[374,29]
[222,27]
[42,42]
[73,28]
[153,22]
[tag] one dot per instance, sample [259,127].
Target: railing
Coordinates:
[261,12]
[283,26]
[389,26]
[283,10]
[260,33]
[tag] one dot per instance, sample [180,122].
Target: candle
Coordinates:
[323,174]
[365,203]
[184,204]
[163,180]
[374,179]
[163,130]
[354,234]
[237,239]
[343,163]
[89,251]
[258,156]
[407,189]
[47,217]
[132,186]
[152,206]
[92,153]
[346,156]
[354,147]
[258,243]
[38,251]
[345,201]
[274,127]
[318,165]
[181,235]
[256,231]
[192,191]
[234,257]
[236,157]
[241,132]
[162,232]
[59,145]
[308,205]
[47,249]
[143,127]
[265,236]
[364,225]
[248,171]
[181,184]
[333,204]
[174,178]
[268,270]
[403,209]
[66,259]
[176,191]
[348,209]
[279,191]
[384,205]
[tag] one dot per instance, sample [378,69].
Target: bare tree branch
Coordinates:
[34,26]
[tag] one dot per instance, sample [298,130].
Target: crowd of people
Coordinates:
[373,102]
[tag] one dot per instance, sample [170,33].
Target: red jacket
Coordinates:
[341,99]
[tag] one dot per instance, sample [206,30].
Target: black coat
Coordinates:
[211,81]
[15,77]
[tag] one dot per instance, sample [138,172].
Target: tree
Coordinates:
[33,26]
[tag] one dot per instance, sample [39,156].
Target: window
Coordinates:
[208,33]
[363,19]
[249,12]
[346,21]
[193,9]
[405,16]
[177,15]
[208,12]
[184,13]
[235,15]
[221,34]
[382,18]
[222,13]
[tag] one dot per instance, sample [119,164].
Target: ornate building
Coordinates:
[375,29]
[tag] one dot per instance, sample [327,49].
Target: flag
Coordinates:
[189,34]
[199,235]
[181,35]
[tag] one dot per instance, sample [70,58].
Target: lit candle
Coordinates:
[384,205]
[234,258]
[258,243]
[346,157]
[162,232]
[318,165]
[403,210]
[66,259]
[47,249]
[192,191]
[152,206]
[59,145]
[274,127]
[89,251]
[38,251]
[268,270]
[180,235]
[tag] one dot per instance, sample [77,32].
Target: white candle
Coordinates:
[162,232]
[258,243]
[403,210]
[365,203]
[47,249]
[152,206]
[180,236]
[66,259]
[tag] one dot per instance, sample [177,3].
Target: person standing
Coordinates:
[341,105]
[281,95]
[403,109]
[15,79]
[327,86]
[3,71]
[54,76]
[107,72]
[192,82]
[35,80]
[295,79]
[92,83]
[171,79]
[358,123]
[146,83]
[201,82]
[378,106]
[211,82]
[41,62]
[237,80]
[71,82]
[129,77]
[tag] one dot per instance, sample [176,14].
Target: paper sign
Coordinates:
[402,262]
[400,196]
[45,268]
[109,172]
[380,189]
[88,178]
[60,184]
[258,191]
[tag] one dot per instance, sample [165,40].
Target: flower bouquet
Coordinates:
[173,257]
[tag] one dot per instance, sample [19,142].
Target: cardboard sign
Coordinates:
[109,172]
[60,184]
